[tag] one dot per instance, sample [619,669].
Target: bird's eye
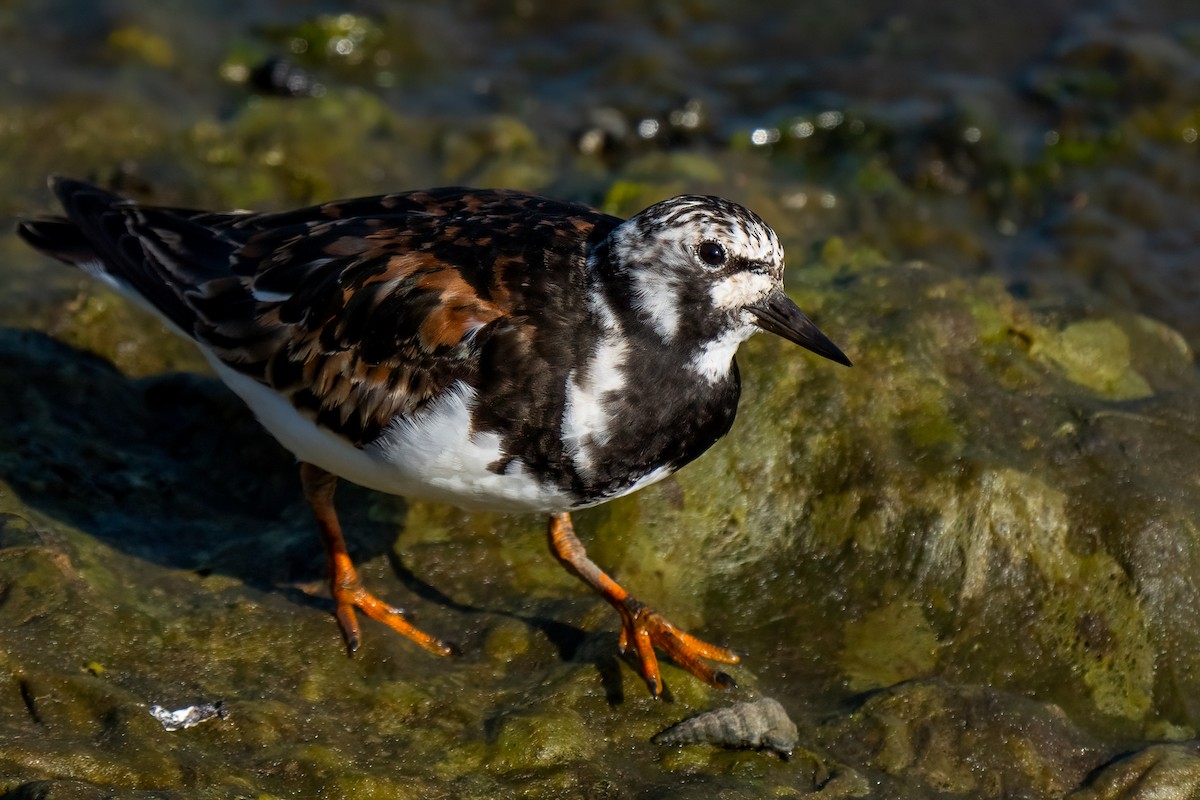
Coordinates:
[711,253]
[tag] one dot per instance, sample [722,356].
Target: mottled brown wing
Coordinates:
[355,333]
[357,310]
[363,310]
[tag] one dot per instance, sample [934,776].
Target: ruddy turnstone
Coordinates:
[490,349]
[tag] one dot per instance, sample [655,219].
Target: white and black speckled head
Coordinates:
[705,274]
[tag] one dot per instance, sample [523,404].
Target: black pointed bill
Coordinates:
[779,315]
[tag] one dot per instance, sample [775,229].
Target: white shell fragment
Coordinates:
[752,725]
[187,717]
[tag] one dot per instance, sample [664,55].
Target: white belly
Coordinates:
[430,455]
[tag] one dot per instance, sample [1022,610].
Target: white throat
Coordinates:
[714,360]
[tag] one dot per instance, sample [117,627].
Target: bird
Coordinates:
[487,348]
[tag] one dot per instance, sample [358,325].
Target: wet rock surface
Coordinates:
[967,567]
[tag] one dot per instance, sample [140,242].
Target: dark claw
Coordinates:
[722,680]
[352,645]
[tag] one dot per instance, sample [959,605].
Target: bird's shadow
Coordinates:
[167,468]
[174,469]
[571,642]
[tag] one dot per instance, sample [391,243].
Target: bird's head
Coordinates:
[705,270]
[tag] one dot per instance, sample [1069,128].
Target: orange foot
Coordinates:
[641,626]
[349,594]
[648,629]
[348,591]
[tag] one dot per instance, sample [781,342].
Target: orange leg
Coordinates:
[641,626]
[347,589]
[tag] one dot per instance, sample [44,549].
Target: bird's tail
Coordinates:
[57,237]
[155,256]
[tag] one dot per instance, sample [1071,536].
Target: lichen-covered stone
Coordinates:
[970,742]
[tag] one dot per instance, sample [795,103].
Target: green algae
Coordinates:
[317,149]
[141,44]
[499,151]
[508,641]
[1094,354]
[549,737]
[1089,612]
[968,741]
[891,644]
[136,342]
[626,197]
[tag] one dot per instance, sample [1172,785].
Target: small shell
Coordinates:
[755,725]
[187,717]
